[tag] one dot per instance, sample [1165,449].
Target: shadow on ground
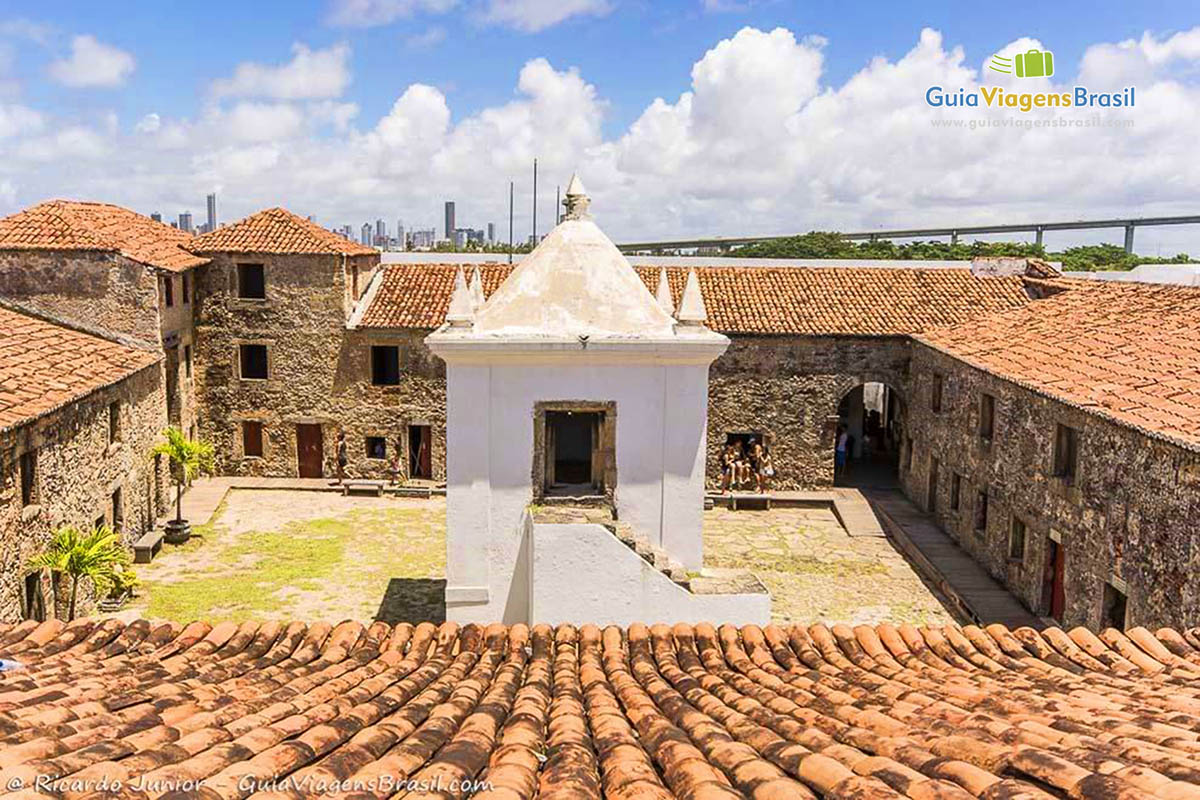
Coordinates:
[413,600]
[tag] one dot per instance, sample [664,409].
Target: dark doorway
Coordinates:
[310,450]
[1115,608]
[1054,597]
[420,461]
[118,510]
[573,455]
[932,490]
[34,606]
[871,419]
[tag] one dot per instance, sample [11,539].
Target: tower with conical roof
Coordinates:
[573,384]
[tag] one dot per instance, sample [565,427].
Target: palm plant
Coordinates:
[74,554]
[191,457]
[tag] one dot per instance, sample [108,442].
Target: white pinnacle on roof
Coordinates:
[663,295]
[575,283]
[461,309]
[691,305]
[476,288]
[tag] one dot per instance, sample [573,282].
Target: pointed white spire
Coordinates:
[576,201]
[663,295]
[691,305]
[461,313]
[476,288]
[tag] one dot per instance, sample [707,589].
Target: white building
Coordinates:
[573,384]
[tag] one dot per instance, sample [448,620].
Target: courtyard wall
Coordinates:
[1126,519]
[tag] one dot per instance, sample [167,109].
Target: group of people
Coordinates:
[746,465]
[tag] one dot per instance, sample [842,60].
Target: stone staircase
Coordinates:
[603,515]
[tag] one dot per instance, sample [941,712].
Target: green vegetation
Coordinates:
[827,244]
[190,457]
[75,555]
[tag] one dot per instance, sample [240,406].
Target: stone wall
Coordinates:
[77,473]
[788,389]
[319,372]
[1127,518]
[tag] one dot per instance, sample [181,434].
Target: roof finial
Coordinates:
[576,201]
[691,305]
[663,295]
[476,288]
[461,313]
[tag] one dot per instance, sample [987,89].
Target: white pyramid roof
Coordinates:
[574,283]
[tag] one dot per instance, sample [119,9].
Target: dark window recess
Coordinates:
[385,365]
[187,360]
[987,417]
[29,478]
[955,491]
[168,291]
[252,439]
[981,511]
[376,447]
[935,393]
[114,422]
[1016,540]
[34,603]
[1115,608]
[252,282]
[254,361]
[1066,452]
[118,510]
[186,284]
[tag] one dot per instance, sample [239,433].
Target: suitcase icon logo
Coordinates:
[1030,64]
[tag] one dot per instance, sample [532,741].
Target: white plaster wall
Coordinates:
[582,573]
[660,445]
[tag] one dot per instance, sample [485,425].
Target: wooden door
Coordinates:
[1054,599]
[310,450]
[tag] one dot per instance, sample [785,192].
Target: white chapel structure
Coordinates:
[574,385]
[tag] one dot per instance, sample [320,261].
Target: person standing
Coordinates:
[841,451]
[343,457]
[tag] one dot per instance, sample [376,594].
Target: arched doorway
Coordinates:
[870,416]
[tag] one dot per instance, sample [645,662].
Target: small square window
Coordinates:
[1066,452]
[187,360]
[29,493]
[185,283]
[376,447]
[114,422]
[1016,540]
[252,282]
[987,416]
[385,365]
[252,439]
[168,283]
[935,393]
[955,491]
[1115,610]
[981,512]
[253,361]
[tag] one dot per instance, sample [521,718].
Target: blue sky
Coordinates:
[156,131]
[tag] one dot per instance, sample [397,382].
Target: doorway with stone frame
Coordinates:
[574,450]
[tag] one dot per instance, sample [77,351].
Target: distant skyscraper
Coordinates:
[157,217]
[381,231]
[400,232]
[185,221]
[491,233]
[366,234]
[450,227]
[212,211]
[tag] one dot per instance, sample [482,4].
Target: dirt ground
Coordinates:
[285,554]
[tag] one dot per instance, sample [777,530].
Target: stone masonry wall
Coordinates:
[319,372]
[77,472]
[788,388]
[1129,514]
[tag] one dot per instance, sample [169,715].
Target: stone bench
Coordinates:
[147,546]
[738,501]
[371,488]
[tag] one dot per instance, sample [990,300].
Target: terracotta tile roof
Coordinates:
[277,230]
[1127,351]
[44,366]
[283,710]
[74,225]
[855,301]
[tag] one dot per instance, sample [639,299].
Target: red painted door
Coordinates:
[1058,599]
[310,450]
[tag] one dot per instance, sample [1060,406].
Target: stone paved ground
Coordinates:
[815,572]
[318,555]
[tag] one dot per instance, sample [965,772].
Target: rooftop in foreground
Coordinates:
[684,712]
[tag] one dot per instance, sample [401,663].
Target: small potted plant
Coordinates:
[123,583]
[190,457]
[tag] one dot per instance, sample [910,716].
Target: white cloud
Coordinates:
[150,123]
[427,39]
[16,120]
[311,74]
[261,122]
[532,16]
[92,64]
[366,13]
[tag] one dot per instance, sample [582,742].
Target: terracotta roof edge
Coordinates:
[78,326]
